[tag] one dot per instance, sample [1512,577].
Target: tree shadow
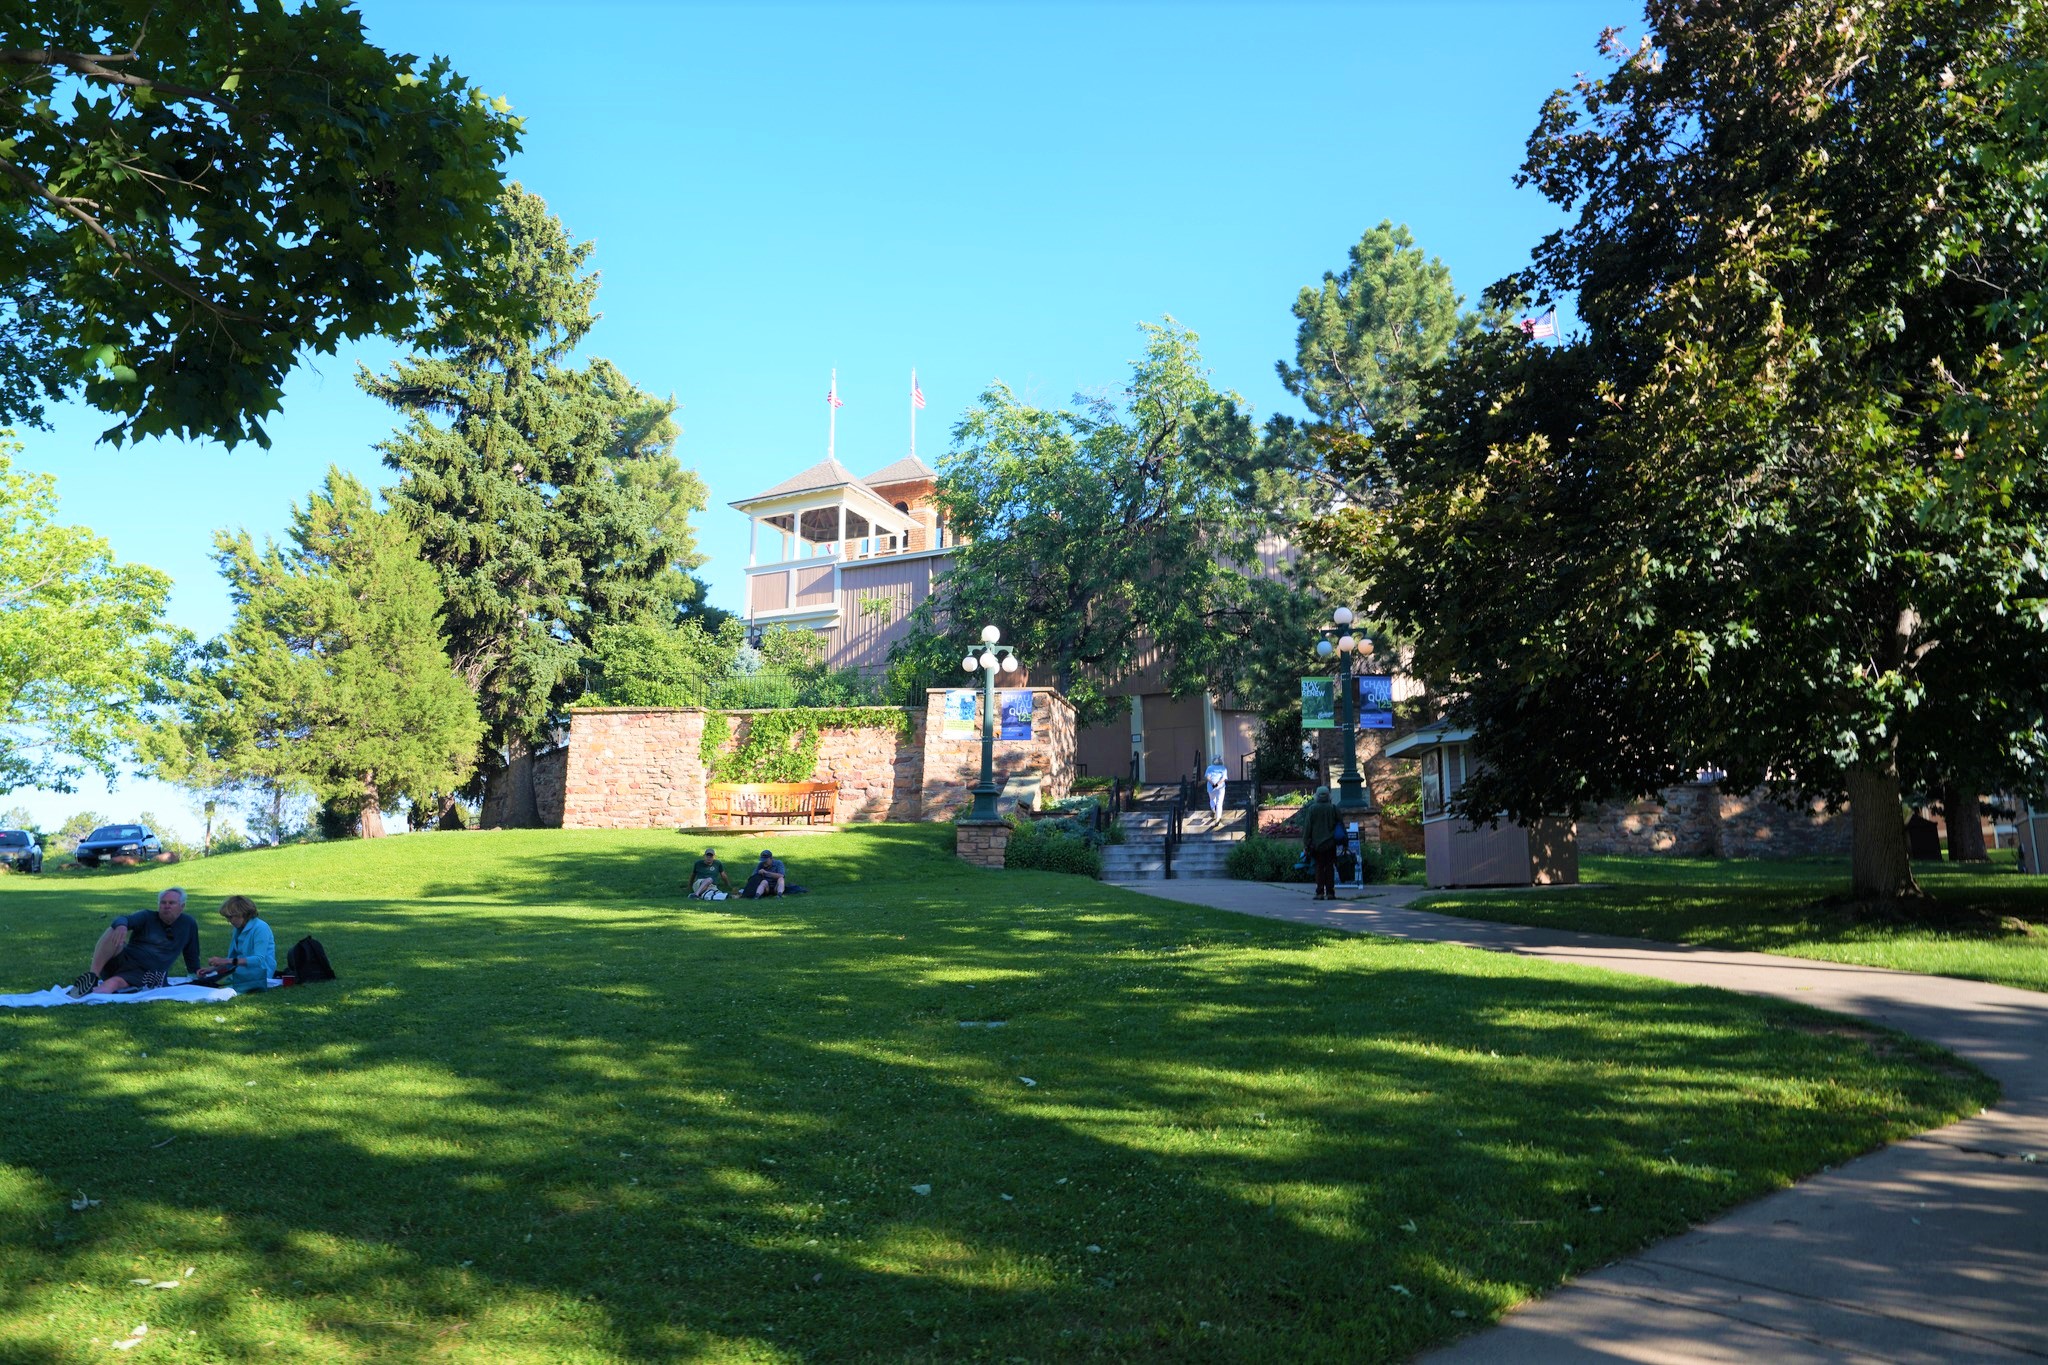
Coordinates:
[569,1123]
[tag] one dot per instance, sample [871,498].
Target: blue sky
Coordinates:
[976,190]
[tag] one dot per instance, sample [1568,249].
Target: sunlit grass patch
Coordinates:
[1990,924]
[552,1112]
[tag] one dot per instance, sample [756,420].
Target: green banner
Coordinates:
[1318,703]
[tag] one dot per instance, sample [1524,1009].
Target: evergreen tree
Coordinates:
[547,496]
[335,667]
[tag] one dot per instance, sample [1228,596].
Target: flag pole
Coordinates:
[913,412]
[832,415]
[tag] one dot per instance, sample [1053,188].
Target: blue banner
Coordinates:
[1013,706]
[956,721]
[1375,701]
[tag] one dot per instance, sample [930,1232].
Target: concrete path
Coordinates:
[1934,1249]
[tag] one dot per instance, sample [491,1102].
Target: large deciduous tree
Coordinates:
[192,196]
[545,494]
[335,673]
[1781,507]
[1101,539]
[80,637]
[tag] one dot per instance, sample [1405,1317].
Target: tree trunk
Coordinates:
[510,801]
[1879,868]
[373,811]
[1965,829]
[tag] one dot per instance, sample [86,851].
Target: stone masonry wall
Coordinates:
[634,768]
[1699,820]
[642,768]
[878,772]
[952,767]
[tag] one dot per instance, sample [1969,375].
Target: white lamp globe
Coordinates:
[988,661]
[970,663]
[1346,644]
[1009,663]
[989,635]
[1365,646]
[1324,649]
[1342,616]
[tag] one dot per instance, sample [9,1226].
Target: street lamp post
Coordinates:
[988,658]
[1339,643]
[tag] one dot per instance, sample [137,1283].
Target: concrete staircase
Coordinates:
[1204,845]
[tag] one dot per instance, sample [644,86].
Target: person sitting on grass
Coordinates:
[769,878]
[252,952]
[137,950]
[707,878]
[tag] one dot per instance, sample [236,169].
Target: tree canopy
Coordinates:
[546,494]
[80,635]
[192,196]
[1108,540]
[1779,508]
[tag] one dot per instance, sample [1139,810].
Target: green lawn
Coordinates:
[1793,906]
[551,1113]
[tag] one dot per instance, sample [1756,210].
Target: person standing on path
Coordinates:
[1319,821]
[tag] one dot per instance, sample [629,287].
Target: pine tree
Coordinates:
[547,496]
[335,666]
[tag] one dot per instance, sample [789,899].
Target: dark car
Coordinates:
[18,850]
[117,841]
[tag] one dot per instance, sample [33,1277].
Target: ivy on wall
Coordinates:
[782,745]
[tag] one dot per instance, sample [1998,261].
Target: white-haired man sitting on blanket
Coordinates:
[137,950]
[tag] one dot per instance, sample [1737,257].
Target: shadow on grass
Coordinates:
[554,1122]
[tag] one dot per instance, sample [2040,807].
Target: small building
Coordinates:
[1457,852]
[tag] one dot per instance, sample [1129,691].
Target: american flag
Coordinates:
[1537,329]
[916,394]
[832,395]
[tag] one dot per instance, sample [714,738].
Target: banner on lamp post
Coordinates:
[956,721]
[1375,701]
[1318,703]
[1013,712]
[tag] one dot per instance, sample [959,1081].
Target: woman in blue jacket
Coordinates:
[252,953]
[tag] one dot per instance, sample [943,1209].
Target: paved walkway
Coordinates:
[1934,1249]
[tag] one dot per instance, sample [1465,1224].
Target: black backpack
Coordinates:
[307,961]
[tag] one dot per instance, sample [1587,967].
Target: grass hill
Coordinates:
[553,1112]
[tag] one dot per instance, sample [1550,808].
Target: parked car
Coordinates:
[18,850]
[117,841]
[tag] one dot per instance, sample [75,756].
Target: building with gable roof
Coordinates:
[851,558]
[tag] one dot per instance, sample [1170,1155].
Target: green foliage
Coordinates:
[194,196]
[1093,784]
[333,677]
[1053,846]
[80,636]
[1087,532]
[652,663]
[1260,859]
[1779,510]
[1278,757]
[547,496]
[782,745]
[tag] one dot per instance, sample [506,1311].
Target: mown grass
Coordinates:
[553,1113]
[1989,923]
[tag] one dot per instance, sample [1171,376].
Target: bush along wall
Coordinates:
[1279,860]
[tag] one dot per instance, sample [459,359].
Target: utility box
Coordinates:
[1457,852]
[2030,832]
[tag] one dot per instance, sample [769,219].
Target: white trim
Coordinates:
[796,616]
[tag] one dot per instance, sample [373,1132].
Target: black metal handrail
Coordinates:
[1171,839]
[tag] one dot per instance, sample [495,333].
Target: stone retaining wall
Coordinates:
[634,768]
[952,767]
[1698,819]
[982,843]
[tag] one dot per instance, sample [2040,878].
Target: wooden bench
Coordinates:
[727,804]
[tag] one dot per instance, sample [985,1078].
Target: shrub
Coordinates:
[1266,860]
[1093,784]
[1383,862]
[1052,846]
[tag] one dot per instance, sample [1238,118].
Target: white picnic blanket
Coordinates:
[179,989]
